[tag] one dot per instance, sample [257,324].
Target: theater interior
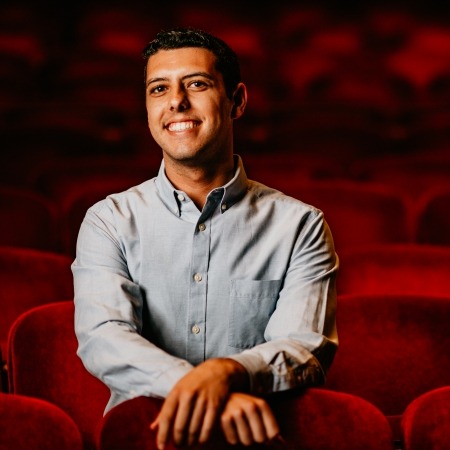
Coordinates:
[349,110]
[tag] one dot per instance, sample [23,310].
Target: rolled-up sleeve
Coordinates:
[301,337]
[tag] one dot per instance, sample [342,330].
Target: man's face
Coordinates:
[189,113]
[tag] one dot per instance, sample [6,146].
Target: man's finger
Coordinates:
[182,421]
[196,422]
[208,423]
[243,430]
[256,425]
[229,430]
[271,426]
[165,421]
[154,424]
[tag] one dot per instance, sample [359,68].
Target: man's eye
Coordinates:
[197,84]
[157,89]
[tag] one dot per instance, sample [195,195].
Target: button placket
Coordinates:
[198,291]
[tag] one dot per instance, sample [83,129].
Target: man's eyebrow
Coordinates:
[156,80]
[198,74]
[185,77]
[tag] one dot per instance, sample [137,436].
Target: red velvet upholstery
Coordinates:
[43,364]
[393,348]
[412,174]
[28,423]
[395,269]
[426,421]
[27,219]
[433,220]
[315,420]
[28,278]
[60,179]
[358,213]
[77,183]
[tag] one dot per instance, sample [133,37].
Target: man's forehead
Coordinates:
[181,61]
[198,55]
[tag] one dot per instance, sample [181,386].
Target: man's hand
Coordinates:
[191,409]
[247,420]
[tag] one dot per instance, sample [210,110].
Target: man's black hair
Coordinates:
[227,61]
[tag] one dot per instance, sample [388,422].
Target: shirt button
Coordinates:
[197,277]
[224,206]
[180,197]
[202,227]
[195,329]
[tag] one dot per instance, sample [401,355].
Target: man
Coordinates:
[200,286]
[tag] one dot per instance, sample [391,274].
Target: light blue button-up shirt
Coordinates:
[161,286]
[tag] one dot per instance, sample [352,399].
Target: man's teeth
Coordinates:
[181,126]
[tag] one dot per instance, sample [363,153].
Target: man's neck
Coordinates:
[198,181]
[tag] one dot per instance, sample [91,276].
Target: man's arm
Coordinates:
[108,320]
[301,337]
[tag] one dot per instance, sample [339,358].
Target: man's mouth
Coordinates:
[182,126]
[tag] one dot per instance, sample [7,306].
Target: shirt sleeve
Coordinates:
[108,318]
[301,337]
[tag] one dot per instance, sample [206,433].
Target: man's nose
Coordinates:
[179,100]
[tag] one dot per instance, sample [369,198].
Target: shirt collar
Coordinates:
[227,195]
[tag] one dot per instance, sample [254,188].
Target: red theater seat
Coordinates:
[393,348]
[395,269]
[28,423]
[412,174]
[75,184]
[62,179]
[358,213]
[43,364]
[314,420]
[433,220]
[27,219]
[29,278]
[329,128]
[426,421]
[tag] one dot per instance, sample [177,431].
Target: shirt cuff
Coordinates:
[167,380]
[260,375]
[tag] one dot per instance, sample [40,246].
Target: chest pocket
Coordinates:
[252,302]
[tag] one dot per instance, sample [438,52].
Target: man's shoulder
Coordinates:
[132,196]
[263,193]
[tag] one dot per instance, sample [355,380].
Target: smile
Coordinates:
[182,126]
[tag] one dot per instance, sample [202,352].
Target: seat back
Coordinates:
[43,364]
[358,213]
[27,219]
[27,423]
[395,269]
[433,217]
[393,348]
[426,421]
[304,419]
[28,278]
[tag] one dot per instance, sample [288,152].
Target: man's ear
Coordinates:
[239,101]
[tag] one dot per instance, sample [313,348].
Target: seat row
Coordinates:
[28,422]
[357,212]
[390,66]
[375,269]
[305,42]
[388,387]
